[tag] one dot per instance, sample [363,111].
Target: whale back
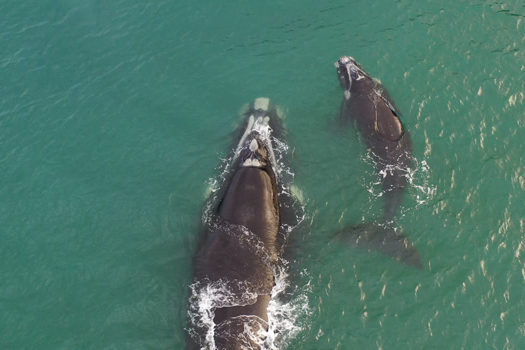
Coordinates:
[235,264]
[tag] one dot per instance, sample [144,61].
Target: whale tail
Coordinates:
[384,238]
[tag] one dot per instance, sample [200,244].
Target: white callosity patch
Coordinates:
[252,162]
[260,125]
[345,59]
[261,103]
[353,72]
[254,145]
[352,67]
[251,121]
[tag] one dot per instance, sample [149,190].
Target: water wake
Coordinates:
[418,181]
[288,312]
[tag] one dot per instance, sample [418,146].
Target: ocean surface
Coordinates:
[115,117]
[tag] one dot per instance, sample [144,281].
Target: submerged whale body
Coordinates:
[241,243]
[367,104]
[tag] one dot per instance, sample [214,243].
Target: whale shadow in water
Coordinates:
[367,105]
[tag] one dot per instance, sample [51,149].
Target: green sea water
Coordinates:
[114,118]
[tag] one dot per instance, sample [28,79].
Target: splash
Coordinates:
[419,182]
[205,298]
[418,177]
[288,312]
[287,316]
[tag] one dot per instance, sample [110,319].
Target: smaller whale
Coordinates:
[368,106]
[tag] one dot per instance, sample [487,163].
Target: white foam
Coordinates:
[297,193]
[204,300]
[418,181]
[286,319]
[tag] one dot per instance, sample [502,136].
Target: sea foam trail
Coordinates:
[418,185]
[287,312]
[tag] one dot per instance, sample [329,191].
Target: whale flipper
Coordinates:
[383,238]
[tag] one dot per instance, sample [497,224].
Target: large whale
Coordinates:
[368,106]
[241,243]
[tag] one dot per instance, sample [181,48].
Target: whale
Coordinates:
[367,105]
[241,241]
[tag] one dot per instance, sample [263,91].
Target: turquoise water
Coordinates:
[114,116]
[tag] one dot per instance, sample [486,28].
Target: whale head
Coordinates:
[255,152]
[349,71]
[255,147]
